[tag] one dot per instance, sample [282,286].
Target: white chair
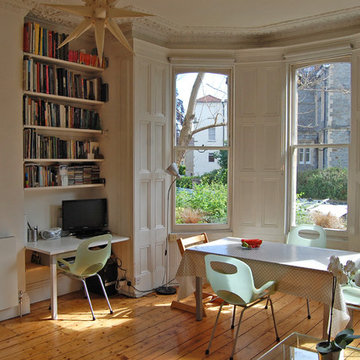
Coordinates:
[297,236]
[352,298]
[316,238]
[232,280]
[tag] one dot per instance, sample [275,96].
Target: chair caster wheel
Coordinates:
[111,312]
[231,358]
[277,339]
[207,352]
[309,317]
[232,327]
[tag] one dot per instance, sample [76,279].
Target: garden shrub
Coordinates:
[217,176]
[330,183]
[210,200]
[328,221]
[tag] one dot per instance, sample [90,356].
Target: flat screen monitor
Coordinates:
[84,216]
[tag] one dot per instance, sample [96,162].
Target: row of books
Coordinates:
[60,175]
[41,41]
[44,113]
[38,146]
[49,79]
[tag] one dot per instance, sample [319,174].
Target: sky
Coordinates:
[213,84]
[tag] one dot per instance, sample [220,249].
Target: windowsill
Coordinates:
[213,234]
[337,234]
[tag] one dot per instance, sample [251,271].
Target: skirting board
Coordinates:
[15,311]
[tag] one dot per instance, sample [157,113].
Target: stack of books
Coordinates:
[50,175]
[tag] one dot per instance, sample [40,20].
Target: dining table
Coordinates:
[297,270]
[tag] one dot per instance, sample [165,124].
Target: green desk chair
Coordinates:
[295,237]
[232,280]
[88,262]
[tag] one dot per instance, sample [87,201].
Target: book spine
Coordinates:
[37,38]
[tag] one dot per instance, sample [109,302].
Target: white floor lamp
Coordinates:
[165,289]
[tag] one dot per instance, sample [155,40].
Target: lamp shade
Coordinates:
[173,170]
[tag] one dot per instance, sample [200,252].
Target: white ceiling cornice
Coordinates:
[319,27]
[25,5]
[164,32]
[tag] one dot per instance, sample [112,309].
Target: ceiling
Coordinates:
[225,23]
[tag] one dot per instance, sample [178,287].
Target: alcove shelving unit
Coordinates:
[55,88]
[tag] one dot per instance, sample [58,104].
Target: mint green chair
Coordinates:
[317,239]
[295,238]
[88,262]
[232,280]
[351,295]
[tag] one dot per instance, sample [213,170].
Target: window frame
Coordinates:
[292,145]
[217,69]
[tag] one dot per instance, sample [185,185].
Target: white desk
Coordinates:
[300,271]
[55,247]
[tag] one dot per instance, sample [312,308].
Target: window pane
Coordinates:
[323,117]
[324,104]
[201,109]
[202,191]
[212,134]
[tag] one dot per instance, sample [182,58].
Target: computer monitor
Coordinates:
[87,217]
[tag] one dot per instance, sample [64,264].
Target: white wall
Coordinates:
[11,189]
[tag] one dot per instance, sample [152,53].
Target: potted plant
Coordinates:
[332,350]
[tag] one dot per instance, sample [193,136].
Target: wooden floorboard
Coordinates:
[147,328]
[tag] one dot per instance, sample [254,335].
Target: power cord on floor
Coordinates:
[118,262]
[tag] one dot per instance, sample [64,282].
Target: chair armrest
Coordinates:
[62,264]
[268,287]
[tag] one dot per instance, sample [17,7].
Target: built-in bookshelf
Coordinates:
[62,97]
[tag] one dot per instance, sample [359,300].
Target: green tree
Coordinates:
[222,158]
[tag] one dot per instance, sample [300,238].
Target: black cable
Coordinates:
[151,289]
[118,262]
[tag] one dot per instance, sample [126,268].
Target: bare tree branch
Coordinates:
[206,127]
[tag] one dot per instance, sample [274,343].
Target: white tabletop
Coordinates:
[277,253]
[65,244]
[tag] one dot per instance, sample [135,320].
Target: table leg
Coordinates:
[325,321]
[198,295]
[53,287]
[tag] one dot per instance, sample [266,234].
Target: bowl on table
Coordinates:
[250,243]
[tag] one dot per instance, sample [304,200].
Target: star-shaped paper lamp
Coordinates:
[100,14]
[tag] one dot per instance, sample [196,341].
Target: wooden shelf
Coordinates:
[64,63]
[41,161]
[45,188]
[53,129]
[64,99]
